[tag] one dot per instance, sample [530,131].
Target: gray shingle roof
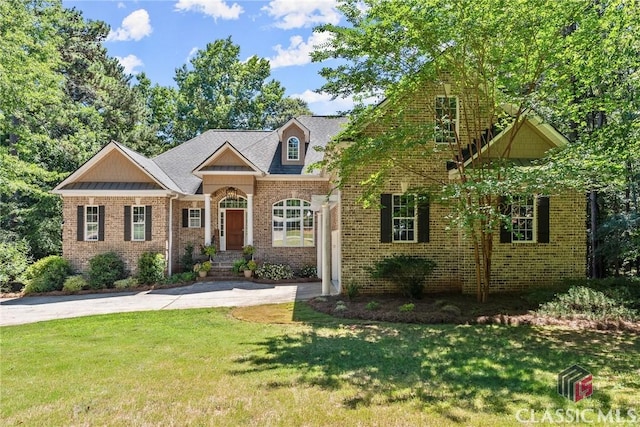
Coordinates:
[128,186]
[259,147]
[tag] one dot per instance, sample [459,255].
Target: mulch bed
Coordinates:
[503,309]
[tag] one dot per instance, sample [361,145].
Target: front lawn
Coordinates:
[206,367]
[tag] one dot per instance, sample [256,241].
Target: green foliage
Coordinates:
[129,282]
[252,265]
[14,259]
[202,266]
[187,258]
[454,310]
[187,276]
[47,274]
[406,308]
[372,305]
[353,289]
[74,283]
[586,303]
[274,271]
[408,272]
[151,268]
[309,271]
[248,250]
[340,306]
[105,269]
[239,265]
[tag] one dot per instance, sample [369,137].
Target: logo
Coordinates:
[575,383]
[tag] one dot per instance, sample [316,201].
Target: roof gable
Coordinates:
[224,160]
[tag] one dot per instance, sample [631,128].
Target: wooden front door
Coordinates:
[235,229]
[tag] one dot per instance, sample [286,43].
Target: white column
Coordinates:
[207,219]
[326,249]
[319,244]
[249,219]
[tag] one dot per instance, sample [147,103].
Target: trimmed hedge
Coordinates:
[47,274]
[150,268]
[105,269]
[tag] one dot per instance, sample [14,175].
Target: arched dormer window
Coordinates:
[293,149]
[292,223]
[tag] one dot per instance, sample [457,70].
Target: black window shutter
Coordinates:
[201,218]
[423,221]
[80,231]
[127,223]
[543,219]
[185,217]
[505,230]
[101,223]
[147,222]
[386,226]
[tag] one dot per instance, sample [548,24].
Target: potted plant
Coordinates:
[248,252]
[250,268]
[202,268]
[239,266]
[209,250]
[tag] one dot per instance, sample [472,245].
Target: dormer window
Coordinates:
[293,148]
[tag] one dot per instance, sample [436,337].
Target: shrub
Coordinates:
[104,270]
[187,259]
[309,271]
[587,303]
[150,268]
[454,310]
[74,284]
[187,276]
[274,271]
[14,260]
[340,306]
[239,266]
[408,272]
[406,308]
[129,282]
[353,289]
[372,305]
[47,274]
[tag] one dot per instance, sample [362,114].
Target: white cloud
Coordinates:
[299,14]
[192,52]
[298,52]
[130,63]
[134,27]
[121,5]
[323,104]
[213,8]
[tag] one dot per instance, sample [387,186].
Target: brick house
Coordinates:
[235,188]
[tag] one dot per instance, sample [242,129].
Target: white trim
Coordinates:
[415,218]
[144,223]
[456,129]
[189,217]
[86,223]
[297,158]
[534,223]
[293,178]
[227,146]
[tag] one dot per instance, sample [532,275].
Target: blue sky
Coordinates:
[158,36]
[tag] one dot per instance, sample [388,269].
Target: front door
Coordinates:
[235,229]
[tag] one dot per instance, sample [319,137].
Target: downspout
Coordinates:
[170,250]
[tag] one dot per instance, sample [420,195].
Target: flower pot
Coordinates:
[248,273]
[202,273]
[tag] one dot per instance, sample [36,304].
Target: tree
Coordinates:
[492,54]
[220,91]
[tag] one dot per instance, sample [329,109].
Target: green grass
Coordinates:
[204,367]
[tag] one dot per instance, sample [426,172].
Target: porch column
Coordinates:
[326,249]
[207,219]
[319,244]
[249,219]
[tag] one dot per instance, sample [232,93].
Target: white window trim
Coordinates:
[199,218]
[303,208]
[534,225]
[86,223]
[456,121]
[298,149]
[415,219]
[133,223]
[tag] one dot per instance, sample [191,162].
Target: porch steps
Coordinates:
[222,265]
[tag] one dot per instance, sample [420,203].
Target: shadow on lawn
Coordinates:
[484,368]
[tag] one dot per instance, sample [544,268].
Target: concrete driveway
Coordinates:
[16,311]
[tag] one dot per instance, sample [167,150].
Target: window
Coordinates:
[529,220]
[91,223]
[292,223]
[293,148]
[404,217]
[195,218]
[138,223]
[446,119]
[522,219]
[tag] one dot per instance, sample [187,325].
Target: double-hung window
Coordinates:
[446,125]
[404,218]
[523,218]
[529,220]
[138,223]
[195,219]
[91,223]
